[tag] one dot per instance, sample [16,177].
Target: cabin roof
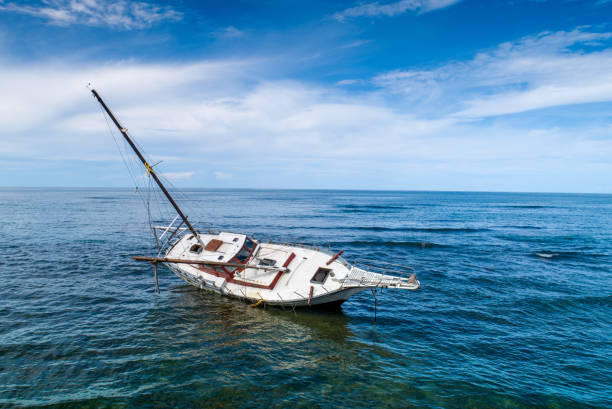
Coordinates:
[230,244]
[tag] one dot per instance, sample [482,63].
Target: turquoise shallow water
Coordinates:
[515,309]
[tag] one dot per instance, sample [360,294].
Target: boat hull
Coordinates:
[275,274]
[331,300]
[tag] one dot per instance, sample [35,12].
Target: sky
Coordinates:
[392,94]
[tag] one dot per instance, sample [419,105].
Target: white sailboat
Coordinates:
[242,267]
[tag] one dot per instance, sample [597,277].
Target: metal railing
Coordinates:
[359,277]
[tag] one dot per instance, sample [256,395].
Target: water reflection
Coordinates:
[239,321]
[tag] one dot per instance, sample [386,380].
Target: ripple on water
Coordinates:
[513,311]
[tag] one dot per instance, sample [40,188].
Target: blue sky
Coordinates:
[413,94]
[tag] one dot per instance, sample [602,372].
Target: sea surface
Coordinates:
[515,309]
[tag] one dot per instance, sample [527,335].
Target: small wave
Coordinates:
[351,208]
[104,198]
[546,255]
[549,241]
[524,227]
[549,255]
[574,303]
[527,207]
[423,229]
[418,244]
[449,229]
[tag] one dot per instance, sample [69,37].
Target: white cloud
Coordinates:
[222,175]
[122,14]
[55,89]
[228,32]
[392,9]
[184,111]
[550,69]
[349,82]
[179,175]
[356,43]
[229,115]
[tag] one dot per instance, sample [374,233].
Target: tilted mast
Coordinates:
[147,166]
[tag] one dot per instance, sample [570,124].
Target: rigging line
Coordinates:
[163,244]
[182,197]
[164,207]
[135,164]
[130,165]
[124,157]
[158,207]
[149,214]
[144,161]
[164,213]
[120,151]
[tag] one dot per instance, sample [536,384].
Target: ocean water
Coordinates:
[515,309]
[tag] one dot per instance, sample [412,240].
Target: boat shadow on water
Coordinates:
[237,318]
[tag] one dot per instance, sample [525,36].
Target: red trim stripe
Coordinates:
[229,277]
[289,260]
[334,258]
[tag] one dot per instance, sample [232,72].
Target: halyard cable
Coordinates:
[131,167]
[123,156]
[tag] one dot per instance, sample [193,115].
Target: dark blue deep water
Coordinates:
[515,309]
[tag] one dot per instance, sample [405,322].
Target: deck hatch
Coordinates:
[266,262]
[196,248]
[213,245]
[320,276]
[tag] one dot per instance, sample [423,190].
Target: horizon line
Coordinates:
[316,189]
